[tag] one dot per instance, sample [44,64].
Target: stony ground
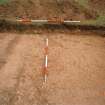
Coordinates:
[76,69]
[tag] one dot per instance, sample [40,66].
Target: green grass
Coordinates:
[82,2]
[100,21]
[3,1]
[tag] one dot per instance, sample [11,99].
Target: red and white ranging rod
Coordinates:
[50,21]
[45,71]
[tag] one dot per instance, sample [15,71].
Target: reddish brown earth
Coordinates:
[76,65]
[99,5]
[43,9]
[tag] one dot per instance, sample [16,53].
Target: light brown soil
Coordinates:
[76,68]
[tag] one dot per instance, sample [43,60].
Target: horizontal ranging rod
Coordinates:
[56,21]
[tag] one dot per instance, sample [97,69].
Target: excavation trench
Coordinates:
[76,65]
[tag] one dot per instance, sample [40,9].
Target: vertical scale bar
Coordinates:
[46,61]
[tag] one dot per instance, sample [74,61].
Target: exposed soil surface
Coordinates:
[43,9]
[76,60]
[76,65]
[99,5]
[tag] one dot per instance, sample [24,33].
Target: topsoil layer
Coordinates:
[45,9]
